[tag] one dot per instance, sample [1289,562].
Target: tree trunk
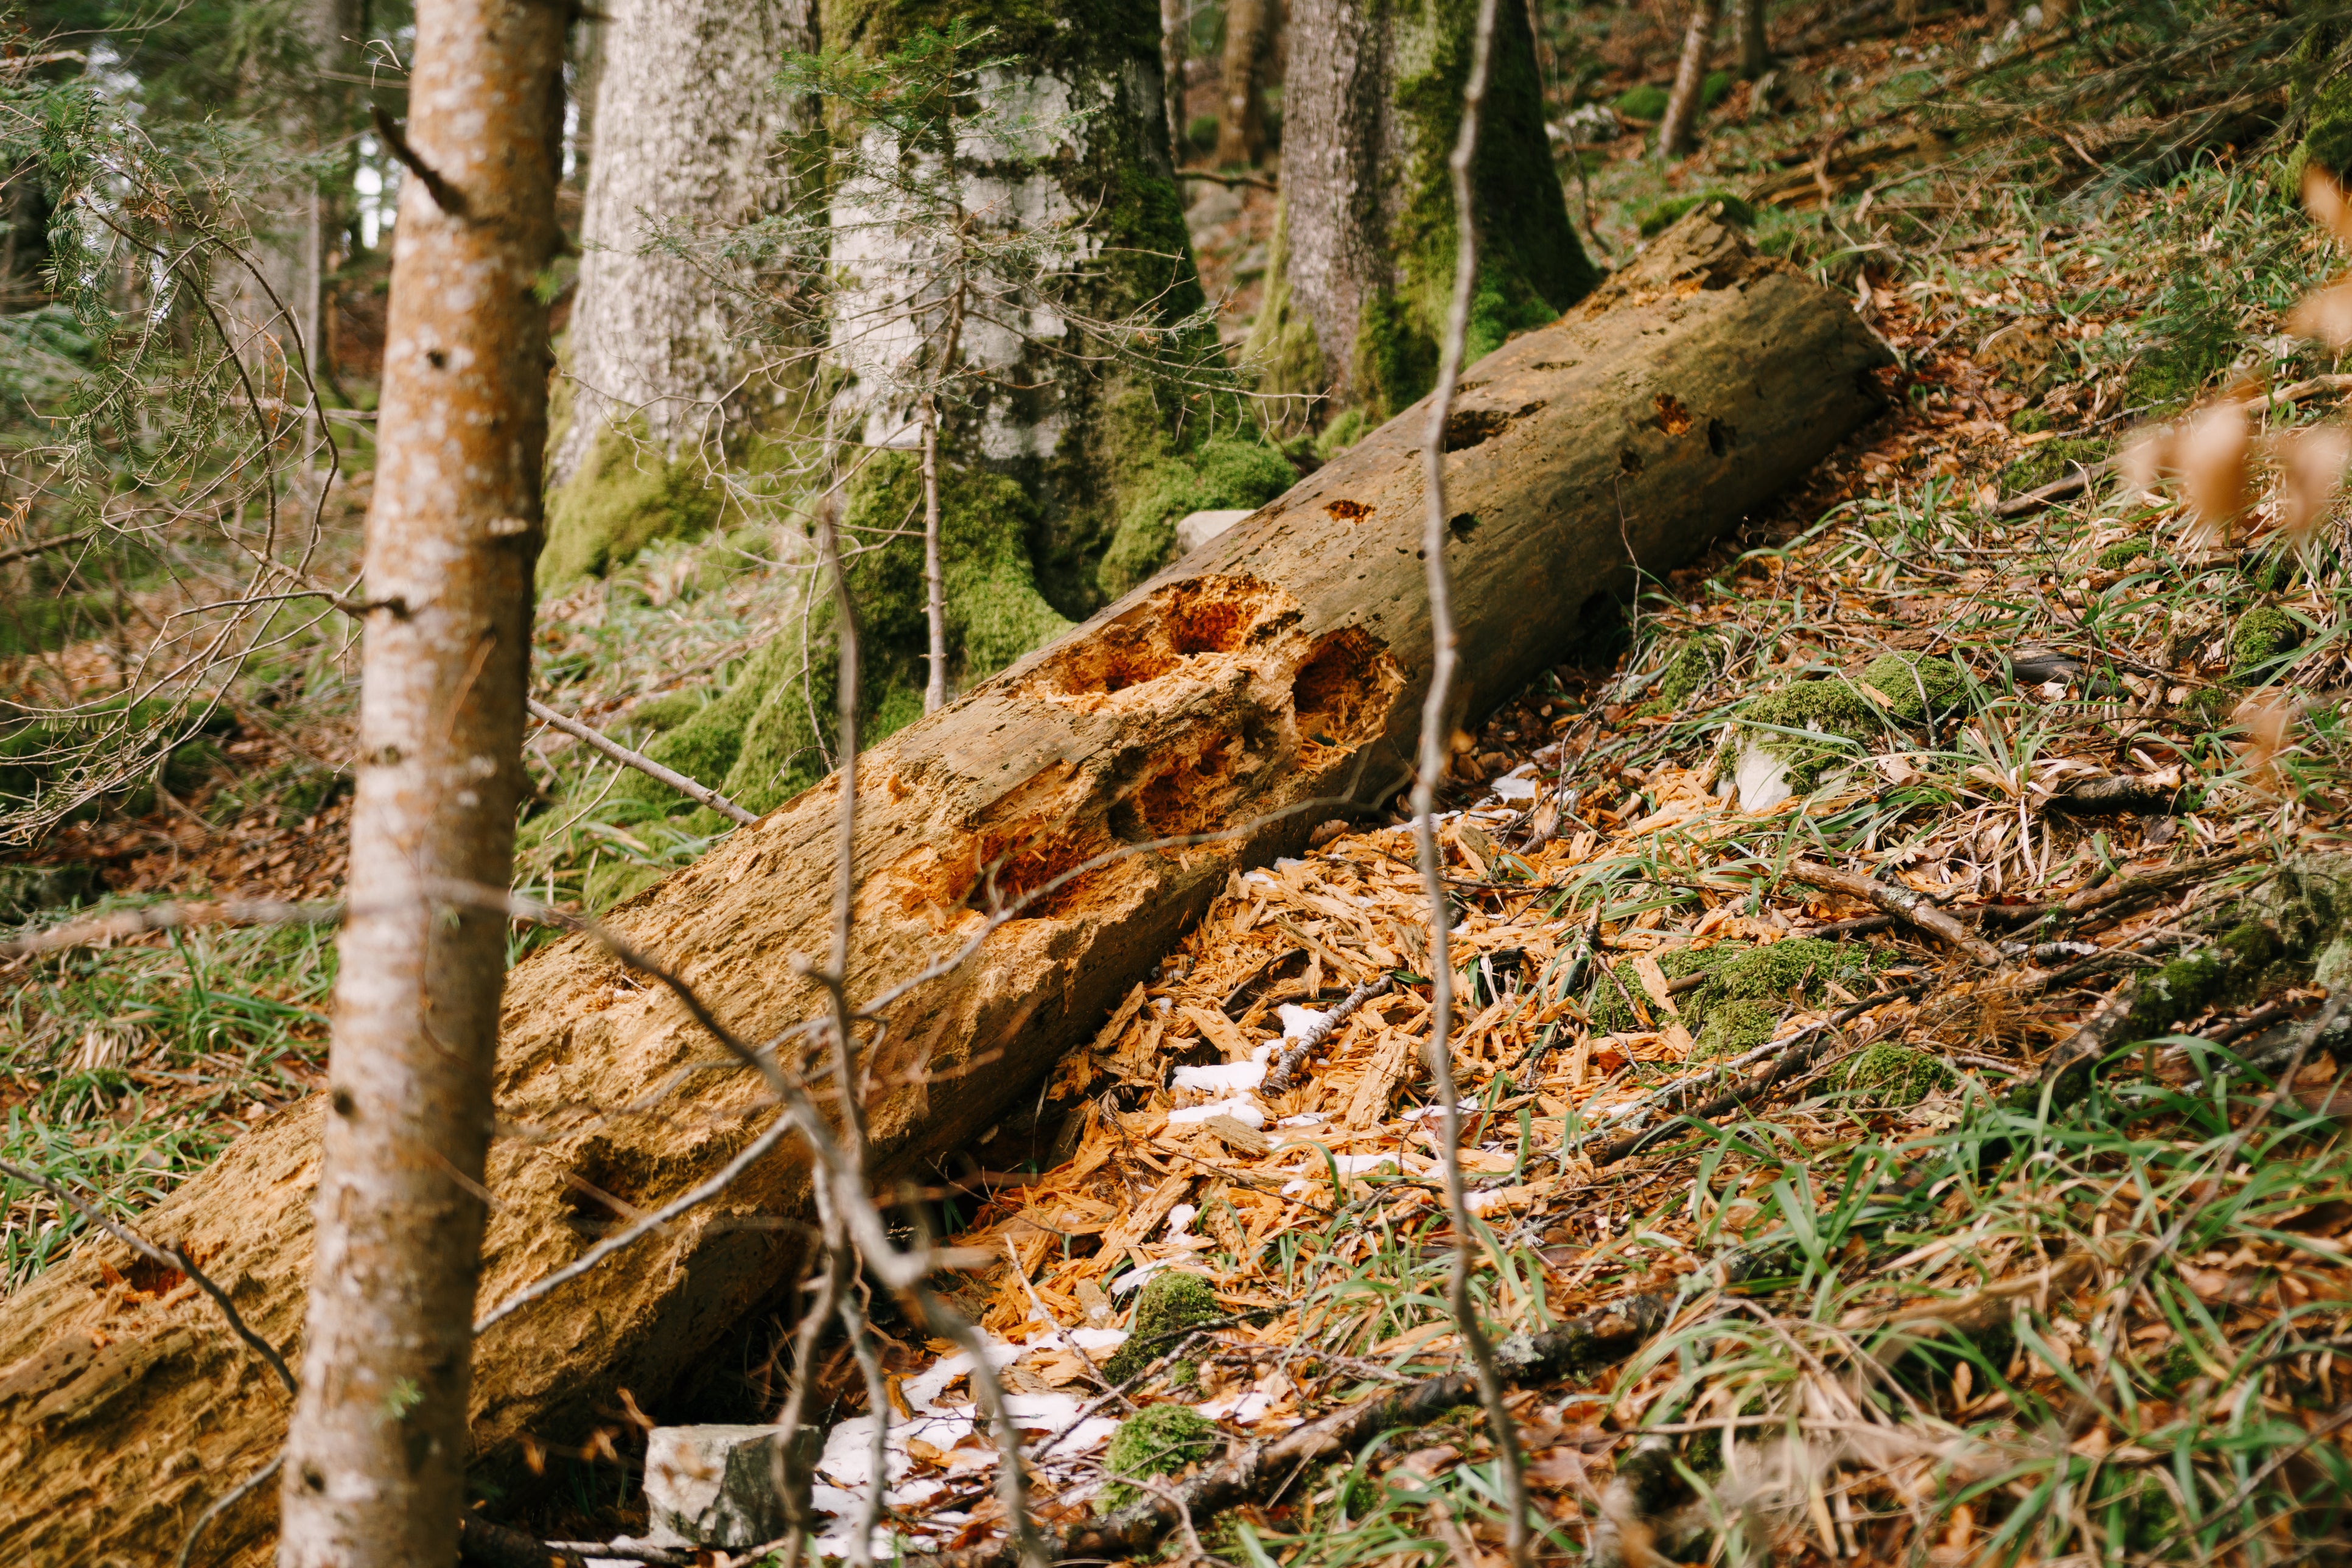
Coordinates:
[1241,127]
[1278,667]
[1079,441]
[1690,73]
[1364,259]
[375,1469]
[686,124]
[1755,45]
[1175,52]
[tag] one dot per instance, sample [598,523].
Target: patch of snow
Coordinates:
[1304,1118]
[1761,778]
[1511,787]
[1297,1022]
[1245,1111]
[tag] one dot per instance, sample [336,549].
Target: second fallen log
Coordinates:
[1278,669]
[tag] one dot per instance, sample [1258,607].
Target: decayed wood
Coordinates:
[1279,668]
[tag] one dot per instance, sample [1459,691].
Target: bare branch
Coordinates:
[172,916]
[1435,723]
[643,763]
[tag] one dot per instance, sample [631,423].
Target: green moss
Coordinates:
[1530,264]
[1772,974]
[1734,1027]
[1831,706]
[2031,421]
[769,735]
[1200,134]
[2324,96]
[2052,461]
[1695,664]
[1647,101]
[2261,636]
[1714,88]
[2123,552]
[1222,474]
[1608,1008]
[1159,1440]
[1169,1303]
[1342,434]
[1889,1074]
[1282,348]
[625,497]
[1658,216]
[1916,686]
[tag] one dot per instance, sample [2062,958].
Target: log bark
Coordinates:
[1280,667]
[1690,72]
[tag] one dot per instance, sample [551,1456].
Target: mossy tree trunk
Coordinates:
[1282,667]
[1357,290]
[662,355]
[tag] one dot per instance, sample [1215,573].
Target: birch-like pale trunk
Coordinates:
[1682,103]
[687,125]
[377,1448]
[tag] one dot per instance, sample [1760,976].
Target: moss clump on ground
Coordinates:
[1832,707]
[1916,688]
[2295,930]
[1734,1027]
[1889,1074]
[1689,670]
[2261,636]
[1169,1303]
[2123,552]
[1608,1006]
[625,496]
[1220,475]
[1658,216]
[2052,461]
[1647,101]
[1343,433]
[1159,1440]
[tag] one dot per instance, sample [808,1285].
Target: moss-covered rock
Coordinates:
[1695,664]
[1889,1074]
[1803,963]
[1169,1302]
[1916,688]
[1647,101]
[2052,461]
[1778,723]
[2261,636]
[625,496]
[2123,552]
[1222,474]
[1159,1440]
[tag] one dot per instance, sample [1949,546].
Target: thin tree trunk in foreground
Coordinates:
[1274,671]
[377,1450]
[1682,103]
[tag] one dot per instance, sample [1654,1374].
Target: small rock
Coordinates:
[1196,529]
[712,1486]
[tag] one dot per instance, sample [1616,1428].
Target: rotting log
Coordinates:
[1278,666]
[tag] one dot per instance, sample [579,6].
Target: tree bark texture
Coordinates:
[376,1455]
[687,126]
[1175,52]
[1690,73]
[1240,125]
[1364,263]
[1040,406]
[1755,42]
[1280,667]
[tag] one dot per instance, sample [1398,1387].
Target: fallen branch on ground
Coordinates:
[644,764]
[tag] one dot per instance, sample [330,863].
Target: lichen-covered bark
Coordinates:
[1282,667]
[1370,113]
[1079,442]
[687,125]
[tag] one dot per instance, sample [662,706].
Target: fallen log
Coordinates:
[1279,669]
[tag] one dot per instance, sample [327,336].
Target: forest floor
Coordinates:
[1904,1293]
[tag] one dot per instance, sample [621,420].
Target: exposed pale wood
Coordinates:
[1281,665]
